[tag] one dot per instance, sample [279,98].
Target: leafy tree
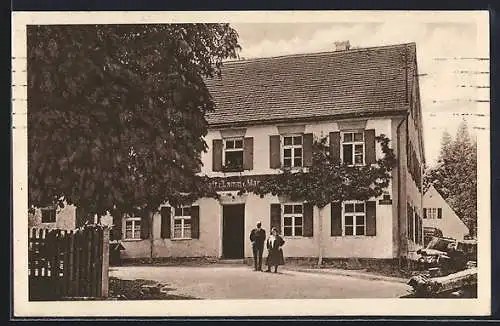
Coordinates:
[455,175]
[116,113]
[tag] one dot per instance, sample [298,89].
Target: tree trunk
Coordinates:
[151,237]
[320,237]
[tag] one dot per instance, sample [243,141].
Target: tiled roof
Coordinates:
[313,85]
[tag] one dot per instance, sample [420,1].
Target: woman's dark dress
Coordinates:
[275,256]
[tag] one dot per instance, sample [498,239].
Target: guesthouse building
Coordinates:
[268,113]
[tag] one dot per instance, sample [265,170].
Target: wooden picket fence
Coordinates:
[68,264]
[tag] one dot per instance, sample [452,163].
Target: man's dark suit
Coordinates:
[258,237]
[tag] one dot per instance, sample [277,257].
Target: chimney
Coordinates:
[342,46]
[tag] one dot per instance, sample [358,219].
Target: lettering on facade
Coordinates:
[236,183]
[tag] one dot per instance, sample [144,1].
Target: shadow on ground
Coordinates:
[133,290]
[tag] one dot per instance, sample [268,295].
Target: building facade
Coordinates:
[268,113]
[439,215]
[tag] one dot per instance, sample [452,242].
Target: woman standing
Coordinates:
[275,254]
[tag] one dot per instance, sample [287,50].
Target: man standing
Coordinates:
[258,237]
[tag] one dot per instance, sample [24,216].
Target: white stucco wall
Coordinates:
[450,224]
[258,209]
[65,218]
[261,133]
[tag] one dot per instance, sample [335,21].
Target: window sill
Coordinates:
[233,170]
[295,237]
[132,240]
[180,239]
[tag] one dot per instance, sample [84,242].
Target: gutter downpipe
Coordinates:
[398,136]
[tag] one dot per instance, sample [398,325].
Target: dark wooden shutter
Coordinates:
[217,155]
[81,217]
[248,153]
[425,212]
[370,156]
[308,220]
[166,219]
[195,222]
[117,224]
[274,152]
[335,146]
[276,216]
[145,225]
[440,213]
[307,145]
[336,219]
[371,218]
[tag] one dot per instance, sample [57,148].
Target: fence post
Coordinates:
[105,263]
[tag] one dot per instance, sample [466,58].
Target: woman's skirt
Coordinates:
[275,257]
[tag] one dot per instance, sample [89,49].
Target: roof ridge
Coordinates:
[321,53]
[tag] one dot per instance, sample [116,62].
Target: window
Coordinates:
[354,218]
[182,223]
[353,148]
[48,215]
[233,154]
[293,219]
[432,213]
[132,228]
[292,151]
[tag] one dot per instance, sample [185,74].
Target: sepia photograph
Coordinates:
[300,162]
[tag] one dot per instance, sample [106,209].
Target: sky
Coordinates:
[453,68]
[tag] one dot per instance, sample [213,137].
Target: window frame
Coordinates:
[353,144]
[225,149]
[293,215]
[432,213]
[354,215]
[182,218]
[132,219]
[48,209]
[292,147]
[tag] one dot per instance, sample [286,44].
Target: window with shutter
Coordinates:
[292,151]
[233,155]
[293,220]
[353,148]
[48,215]
[354,218]
[439,213]
[181,228]
[133,230]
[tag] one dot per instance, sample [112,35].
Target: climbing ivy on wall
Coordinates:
[324,182]
[328,181]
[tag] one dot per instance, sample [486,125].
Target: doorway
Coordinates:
[233,231]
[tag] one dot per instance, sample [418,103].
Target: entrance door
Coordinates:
[233,237]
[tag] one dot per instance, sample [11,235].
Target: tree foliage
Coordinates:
[116,113]
[328,181]
[455,174]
